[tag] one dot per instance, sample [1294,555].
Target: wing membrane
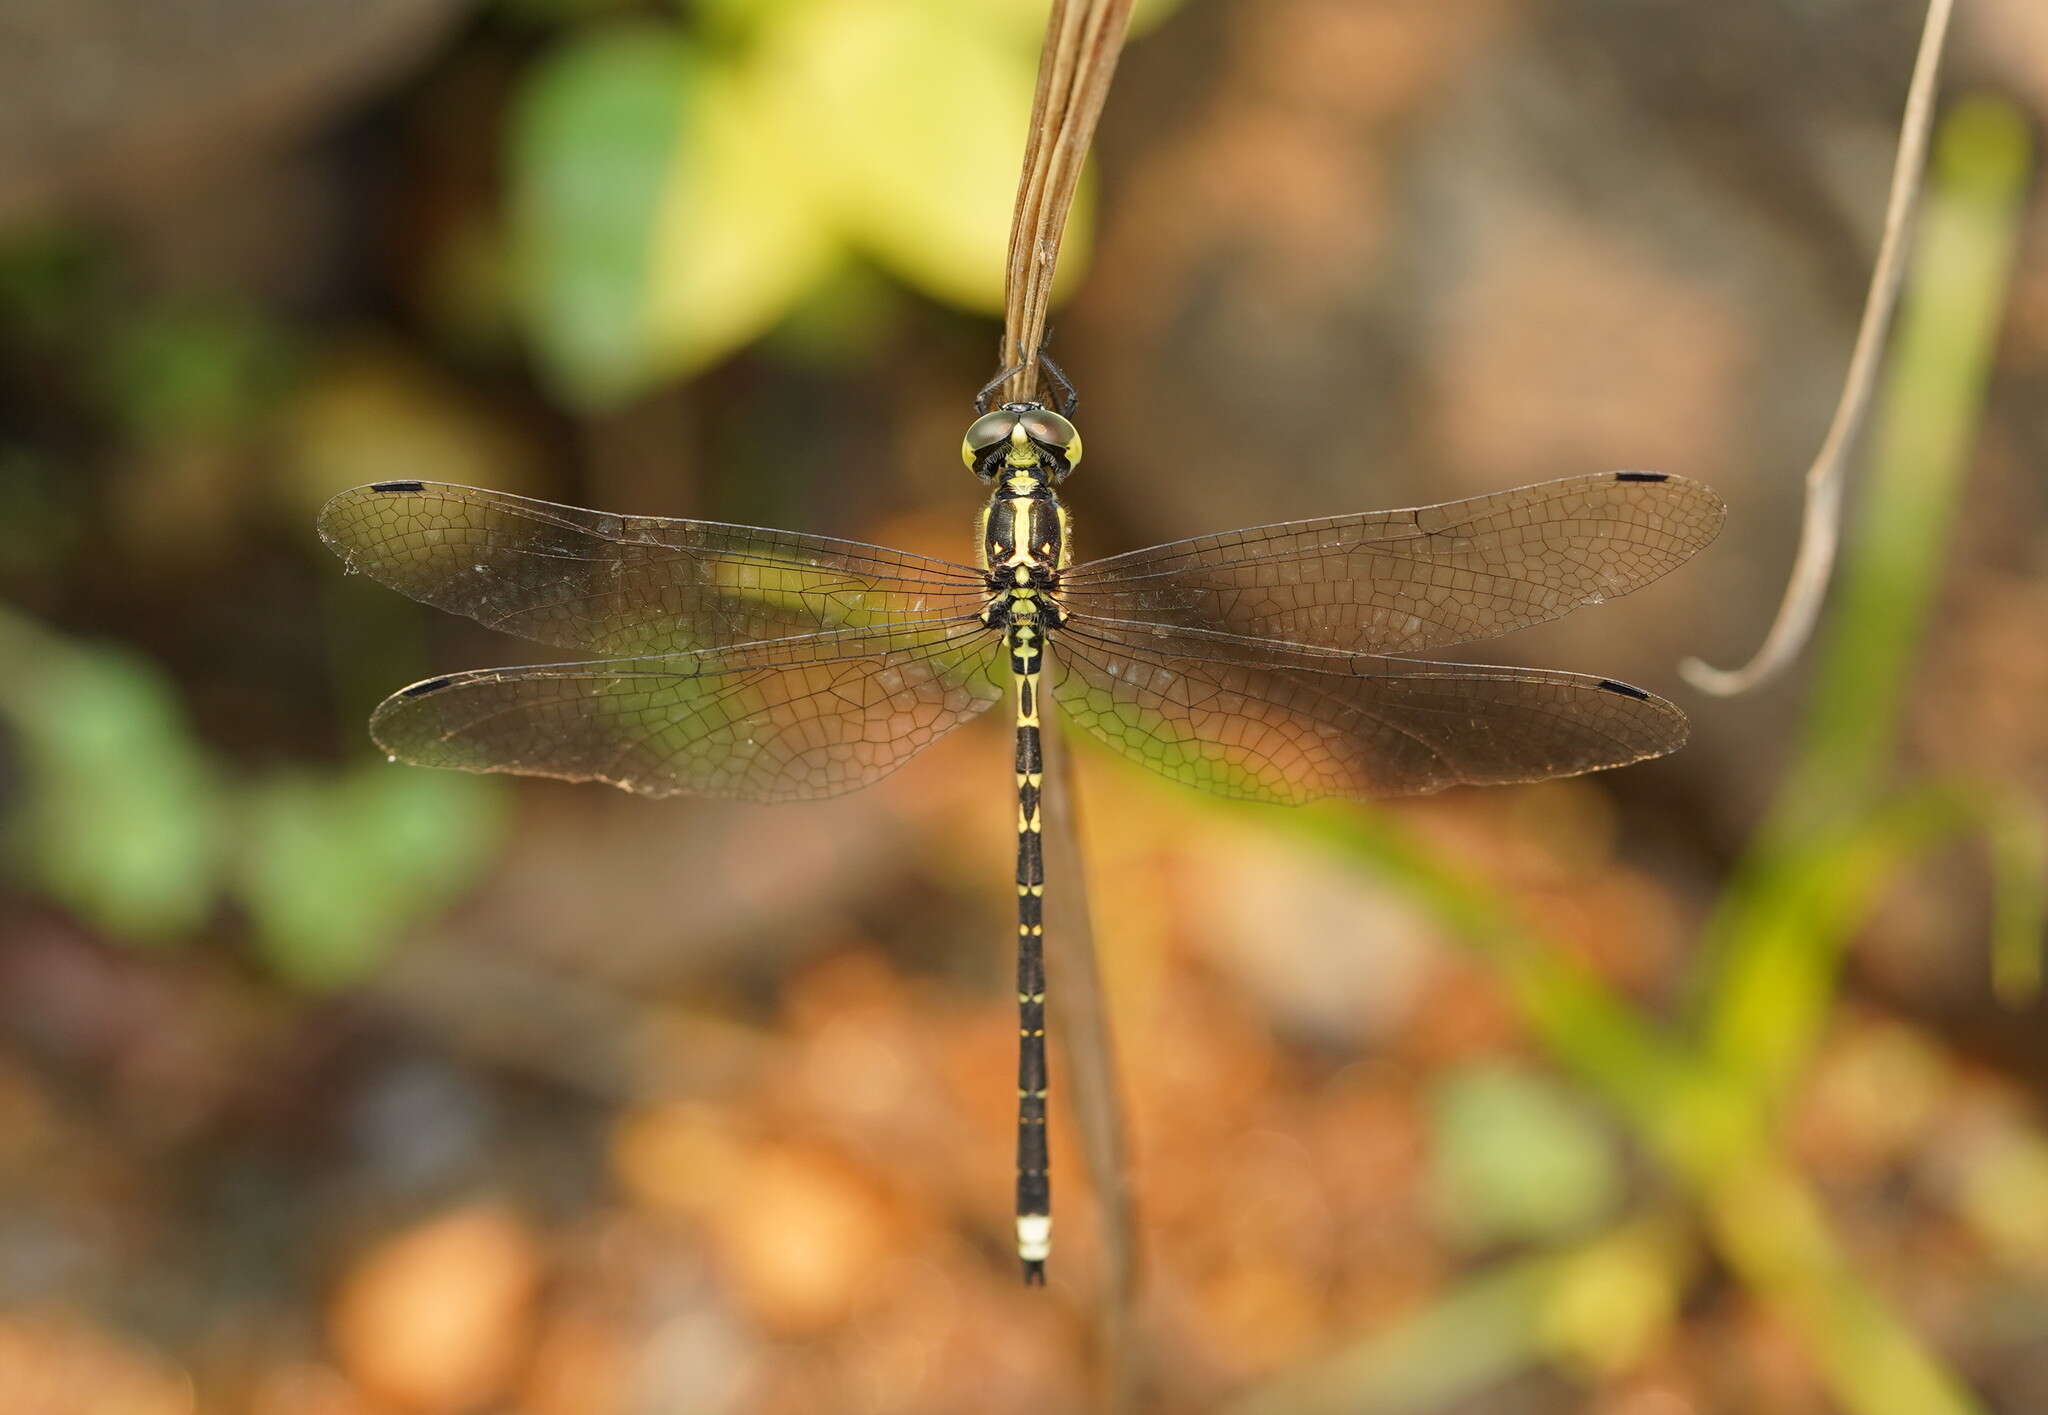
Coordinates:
[635,585]
[1280,723]
[1398,582]
[790,719]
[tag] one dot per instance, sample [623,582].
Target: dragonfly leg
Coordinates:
[988,390]
[1070,397]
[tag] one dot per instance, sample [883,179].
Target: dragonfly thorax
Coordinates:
[1023,534]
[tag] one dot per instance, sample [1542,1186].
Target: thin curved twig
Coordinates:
[1820,531]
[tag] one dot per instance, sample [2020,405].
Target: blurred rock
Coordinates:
[2010,38]
[1571,345]
[677,1157]
[1333,957]
[107,99]
[798,1232]
[1868,1101]
[52,1364]
[307,1388]
[439,1318]
[802,1239]
[581,1366]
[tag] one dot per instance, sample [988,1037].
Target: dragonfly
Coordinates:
[1279,663]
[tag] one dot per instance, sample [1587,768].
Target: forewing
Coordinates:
[791,719]
[1396,582]
[628,585]
[1272,723]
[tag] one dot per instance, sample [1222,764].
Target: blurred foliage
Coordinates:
[126,821]
[122,820]
[679,189]
[1705,1099]
[179,373]
[1590,1308]
[335,871]
[1517,1159]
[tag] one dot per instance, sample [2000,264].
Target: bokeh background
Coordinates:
[329,1087]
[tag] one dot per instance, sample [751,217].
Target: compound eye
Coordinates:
[1049,429]
[987,432]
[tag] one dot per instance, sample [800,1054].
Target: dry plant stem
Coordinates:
[1082,41]
[1820,532]
[1091,1066]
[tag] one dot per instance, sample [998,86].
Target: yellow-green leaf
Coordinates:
[333,871]
[120,821]
[739,236]
[910,118]
[594,145]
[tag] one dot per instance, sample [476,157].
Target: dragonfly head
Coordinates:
[1021,439]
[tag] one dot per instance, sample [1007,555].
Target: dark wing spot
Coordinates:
[398,486]
[1607,683]
[1641,476]
[435,685]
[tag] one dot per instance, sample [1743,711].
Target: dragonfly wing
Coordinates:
[1396,582]
[789,719]
[628,585]
[1275,722]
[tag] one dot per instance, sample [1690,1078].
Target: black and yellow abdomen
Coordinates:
[1023,547]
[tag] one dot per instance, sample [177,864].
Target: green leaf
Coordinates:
[594,143]
[334,871]
[1516,1157]
[175,373]
[910,119]
[122,821]
[661,222]
[739,236]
